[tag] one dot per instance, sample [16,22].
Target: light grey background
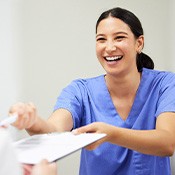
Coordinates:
[45,44]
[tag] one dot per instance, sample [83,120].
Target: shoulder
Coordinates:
[157,75]
[88,81]
[81,85]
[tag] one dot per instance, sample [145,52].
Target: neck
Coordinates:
[125,86]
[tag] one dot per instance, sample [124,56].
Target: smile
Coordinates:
[115,58]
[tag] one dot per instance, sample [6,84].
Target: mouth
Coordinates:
[114,58]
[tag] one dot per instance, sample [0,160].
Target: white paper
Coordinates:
[52,147]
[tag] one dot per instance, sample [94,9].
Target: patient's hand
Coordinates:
[27,115]
[42,168]
[27,169]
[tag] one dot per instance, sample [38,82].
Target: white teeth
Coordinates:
[113,58]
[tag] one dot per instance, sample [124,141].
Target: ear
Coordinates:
[140,44]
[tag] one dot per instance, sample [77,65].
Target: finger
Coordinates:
[26,115]
[85,129]
[90,147]
[80,130]
[29,117]
[27,169]
[17,108]
[21,120]
[25,121]
[53,166]
[44,161]
[94,145]
[31,108]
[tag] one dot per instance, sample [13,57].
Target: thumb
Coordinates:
[84,129]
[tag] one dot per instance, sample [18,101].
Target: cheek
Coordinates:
[124,46]
[98,55]
[98,51]
[128,48]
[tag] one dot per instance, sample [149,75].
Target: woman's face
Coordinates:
[117,47]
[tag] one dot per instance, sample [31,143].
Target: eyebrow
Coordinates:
[117,33]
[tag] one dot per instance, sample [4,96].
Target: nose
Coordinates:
[110,46]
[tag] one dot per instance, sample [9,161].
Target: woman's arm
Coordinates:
[159,142]
[60,120]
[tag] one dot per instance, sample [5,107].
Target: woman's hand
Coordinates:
[97,127]
[27,115]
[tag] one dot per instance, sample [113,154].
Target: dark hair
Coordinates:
[133,22]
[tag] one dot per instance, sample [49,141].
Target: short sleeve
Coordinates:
[166,102]
[71,100]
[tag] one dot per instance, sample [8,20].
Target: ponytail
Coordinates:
[144,61]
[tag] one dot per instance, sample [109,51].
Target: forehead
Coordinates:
[112,24]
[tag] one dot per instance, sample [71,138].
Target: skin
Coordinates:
[44,168]
[60,120]
[122,77]
[114,38]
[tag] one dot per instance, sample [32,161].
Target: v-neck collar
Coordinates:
[132,116]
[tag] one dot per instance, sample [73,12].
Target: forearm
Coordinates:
[59,121]
[41,126]
[154,142]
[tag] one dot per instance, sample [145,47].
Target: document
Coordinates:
[53,146]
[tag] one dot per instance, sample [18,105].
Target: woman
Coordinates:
[132,103]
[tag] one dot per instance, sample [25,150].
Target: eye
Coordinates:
[119,38]
[101,39]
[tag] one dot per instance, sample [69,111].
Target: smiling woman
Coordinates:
[118,37]
[132,103]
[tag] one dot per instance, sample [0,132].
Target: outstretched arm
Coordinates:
[159,142]
[60,120]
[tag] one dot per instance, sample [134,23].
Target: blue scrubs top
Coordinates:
[89,101]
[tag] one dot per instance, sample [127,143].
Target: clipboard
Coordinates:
[52,146]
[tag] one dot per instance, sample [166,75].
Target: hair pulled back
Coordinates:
[133,22]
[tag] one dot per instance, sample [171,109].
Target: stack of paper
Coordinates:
[52,147]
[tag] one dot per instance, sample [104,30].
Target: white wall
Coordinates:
[10,55]
[47,43]
[59,36]
[172,56]
[172,35]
